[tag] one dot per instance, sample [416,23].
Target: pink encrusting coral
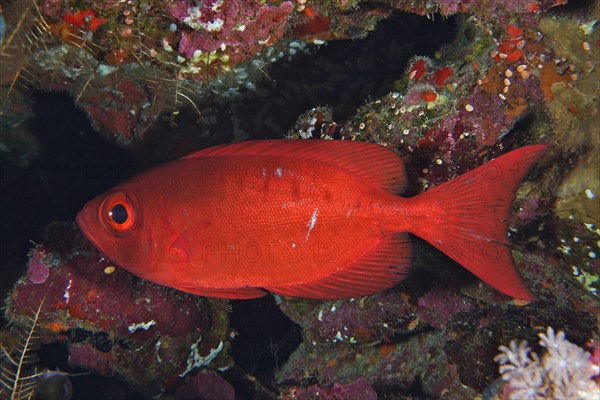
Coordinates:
[244,27]
[565,370]
[358,390]
[37,270]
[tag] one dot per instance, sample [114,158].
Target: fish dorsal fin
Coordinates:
[378,165]
[380,268]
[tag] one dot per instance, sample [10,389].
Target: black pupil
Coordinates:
[118,213]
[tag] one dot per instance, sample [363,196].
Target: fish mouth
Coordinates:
[87,223]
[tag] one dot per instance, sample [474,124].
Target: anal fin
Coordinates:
[229,293]
[380,268]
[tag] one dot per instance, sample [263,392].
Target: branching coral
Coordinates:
[565,371]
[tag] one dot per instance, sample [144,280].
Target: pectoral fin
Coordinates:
[188,242]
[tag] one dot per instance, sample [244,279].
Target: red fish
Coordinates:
[303,218]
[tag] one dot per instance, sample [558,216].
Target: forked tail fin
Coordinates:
[467,218]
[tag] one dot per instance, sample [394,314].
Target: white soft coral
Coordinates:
[523,372]
[514,359]
[567,365]
[564,371]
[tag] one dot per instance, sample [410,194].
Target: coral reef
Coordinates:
[419,337]
[573,112]
[126,63]
[111,321]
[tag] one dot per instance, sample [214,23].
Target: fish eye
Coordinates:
[118,213]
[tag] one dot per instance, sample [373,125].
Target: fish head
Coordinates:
[114,223]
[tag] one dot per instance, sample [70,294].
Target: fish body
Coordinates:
[316,219]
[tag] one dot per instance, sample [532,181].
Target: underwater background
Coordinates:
[93,92]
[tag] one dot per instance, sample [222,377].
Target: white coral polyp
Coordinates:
[567,365]
[513,359]
[528,384]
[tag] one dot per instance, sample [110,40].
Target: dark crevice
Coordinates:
[265,336]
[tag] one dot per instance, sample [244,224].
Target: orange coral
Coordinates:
[548,77]
[442,74]
[55,327]
[82,18]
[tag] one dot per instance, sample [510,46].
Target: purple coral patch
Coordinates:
[206,385]
[37,271]
[358,390]
[444,304]
[244,28]
[86,356]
